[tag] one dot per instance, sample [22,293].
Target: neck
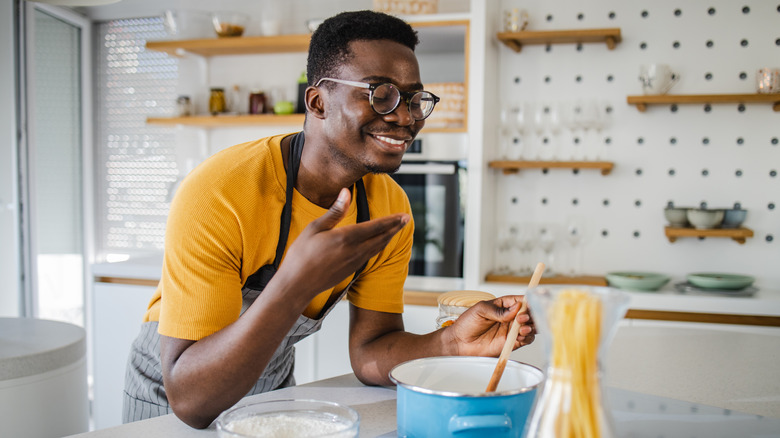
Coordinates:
[320,176]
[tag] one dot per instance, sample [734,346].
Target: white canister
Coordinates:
[657,78]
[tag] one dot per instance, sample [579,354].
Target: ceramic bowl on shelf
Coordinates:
[714,280]
[676,216]
[640,281]
[733,218]
[704,219]
[229,24]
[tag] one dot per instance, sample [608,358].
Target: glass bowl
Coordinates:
[289,418]
[229,24]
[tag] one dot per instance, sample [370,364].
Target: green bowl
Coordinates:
[714,280]
[642,281]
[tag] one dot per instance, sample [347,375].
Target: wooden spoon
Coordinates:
[512,336]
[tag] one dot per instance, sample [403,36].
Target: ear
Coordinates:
[315,104]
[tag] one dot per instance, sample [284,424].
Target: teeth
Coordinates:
[390,140]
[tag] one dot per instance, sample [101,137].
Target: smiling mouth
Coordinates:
[389,140]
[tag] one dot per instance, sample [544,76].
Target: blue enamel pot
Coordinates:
[445,397]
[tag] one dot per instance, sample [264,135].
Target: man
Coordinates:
[252,265]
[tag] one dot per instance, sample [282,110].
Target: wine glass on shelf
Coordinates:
[508,131]
[603,120]
[577,124]
[526,241]
[502,250]
[547,237]
[574,235]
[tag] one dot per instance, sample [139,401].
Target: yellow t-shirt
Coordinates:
[224,225]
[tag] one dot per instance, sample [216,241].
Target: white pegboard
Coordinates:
[661,155]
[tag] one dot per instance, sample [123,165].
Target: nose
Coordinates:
[401,114]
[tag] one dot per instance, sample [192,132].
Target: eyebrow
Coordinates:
[375,79]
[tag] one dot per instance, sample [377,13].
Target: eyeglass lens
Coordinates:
[386,99]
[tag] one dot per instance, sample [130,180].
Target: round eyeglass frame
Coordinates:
[402,96]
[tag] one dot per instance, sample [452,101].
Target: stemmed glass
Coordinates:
[547,237]
[509,132]
[503,250]
[525,241]
[574,235]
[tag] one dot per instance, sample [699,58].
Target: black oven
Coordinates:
[436,191]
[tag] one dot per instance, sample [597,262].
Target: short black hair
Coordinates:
[329,46]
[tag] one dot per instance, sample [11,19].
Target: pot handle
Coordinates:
[467,423]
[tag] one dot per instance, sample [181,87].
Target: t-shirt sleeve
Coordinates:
[201,281]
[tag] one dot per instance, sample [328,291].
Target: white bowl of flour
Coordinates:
[289,418]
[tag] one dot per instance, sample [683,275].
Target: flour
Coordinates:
[291,426]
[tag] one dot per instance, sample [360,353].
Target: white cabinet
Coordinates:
[119,311]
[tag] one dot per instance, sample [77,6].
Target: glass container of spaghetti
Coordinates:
[577,324]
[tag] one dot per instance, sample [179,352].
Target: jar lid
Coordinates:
[463,298]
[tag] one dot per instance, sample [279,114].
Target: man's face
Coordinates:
[360,138]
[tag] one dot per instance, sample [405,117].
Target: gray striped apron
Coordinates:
[144,394]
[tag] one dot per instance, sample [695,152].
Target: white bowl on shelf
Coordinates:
[703,219]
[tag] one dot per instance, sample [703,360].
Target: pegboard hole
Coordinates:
[741,107]
[710,43]
[703,205]
[612,15]
[580,16]
[645,14]
[672,172]
[738,173]
[547,79]
[740,141]
[772,173]
[638,203]
[604,233]
[605,203]
[517,79]
[575,202]
[549,17]
[610,78]
[774,141]
[711,11]
[742,75]
[676,44]
[673,108]
[705,172]
[744,43]
[771,206]
[638,172]
[745,10]
[640,141]
[707,108]
[673,140]
[708,76]
[643,45]
[544,201]
[769,238]
[677,12]
[636,234]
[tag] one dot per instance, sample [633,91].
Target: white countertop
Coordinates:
[714,376]
[30,346]
[765,302]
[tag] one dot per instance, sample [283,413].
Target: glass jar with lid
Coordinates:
[217,102]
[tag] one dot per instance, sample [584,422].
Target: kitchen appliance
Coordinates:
[433,175]
[444,397]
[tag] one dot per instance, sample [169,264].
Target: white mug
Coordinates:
[768,80]
[657,78]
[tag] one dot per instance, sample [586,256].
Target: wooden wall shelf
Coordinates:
[209,121]
[232,121]
[233,46]
[509,167]
[642,102]
[516,40]
[592,280]
[738,234]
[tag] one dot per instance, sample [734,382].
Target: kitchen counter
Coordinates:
[669,381]
[667,304]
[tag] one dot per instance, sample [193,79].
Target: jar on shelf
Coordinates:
[452,304]
[257,102]
[183,106]
[217,101]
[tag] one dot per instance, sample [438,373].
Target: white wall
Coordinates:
[9,229]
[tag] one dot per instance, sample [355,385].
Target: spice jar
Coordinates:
[453,303]
[183,106]
[217,101]
[257,103]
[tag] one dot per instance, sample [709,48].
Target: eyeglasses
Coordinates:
[385,98]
